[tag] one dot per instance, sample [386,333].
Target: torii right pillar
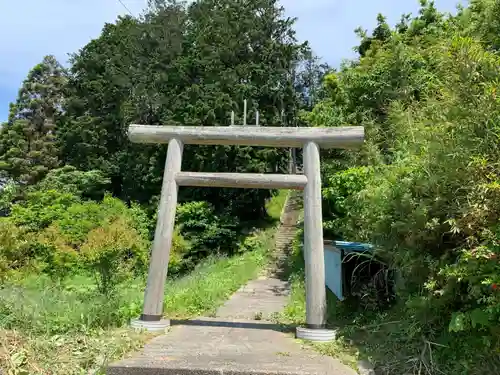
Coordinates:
[315,329]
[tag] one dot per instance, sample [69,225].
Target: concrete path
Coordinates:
[229,347]
[258,300]
[239,340]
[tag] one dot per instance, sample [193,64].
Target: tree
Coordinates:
[167,69]
[249,53]
[28,147]
[380,35]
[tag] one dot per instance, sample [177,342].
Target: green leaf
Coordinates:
[479,317]
[18,359]
[458,322]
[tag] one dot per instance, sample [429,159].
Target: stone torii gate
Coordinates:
[310,139]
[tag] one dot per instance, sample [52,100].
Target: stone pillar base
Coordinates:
[315,335]
[155,326]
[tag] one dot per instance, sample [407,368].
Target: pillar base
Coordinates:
[150,326]
[315,335]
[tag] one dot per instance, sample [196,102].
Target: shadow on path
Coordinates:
[248,325]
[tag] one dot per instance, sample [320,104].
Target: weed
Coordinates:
[69,326]
[392,339]
[274,206]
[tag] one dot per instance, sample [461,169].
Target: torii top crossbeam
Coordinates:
[340,137]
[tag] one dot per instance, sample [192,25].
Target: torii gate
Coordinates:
[310,139]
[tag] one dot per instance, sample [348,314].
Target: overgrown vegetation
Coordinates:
[81,303]
[78,200]
[424,189]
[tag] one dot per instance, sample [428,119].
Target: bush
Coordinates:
[89,184]
[41,208]
[15,248]
[425,187]
[251,243]
[54,250]
[206,231]
[434,210]
[8,192]
[338,192]
[79,219]
[179,252]
[52,235]
[112,252]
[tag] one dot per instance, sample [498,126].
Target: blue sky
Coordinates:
[35,29]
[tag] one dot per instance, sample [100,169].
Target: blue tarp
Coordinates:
[353,246]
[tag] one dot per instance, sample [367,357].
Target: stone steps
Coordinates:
[288,229]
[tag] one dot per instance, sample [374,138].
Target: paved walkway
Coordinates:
[258,300]
[238,341]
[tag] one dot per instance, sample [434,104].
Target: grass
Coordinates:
[391,340]
[274,206]
[68,328]
[23,353]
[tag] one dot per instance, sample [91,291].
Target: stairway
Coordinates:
[287,230]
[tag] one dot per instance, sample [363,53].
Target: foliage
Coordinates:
[424,188]
[206,231]
[14,248]
[167,69]
[8,193]
[90,184]
[41,208]
[338,192]
[250,244]
[58,231]
[28,147]
[274,206]
[69,329]
[111,252]
[179,254]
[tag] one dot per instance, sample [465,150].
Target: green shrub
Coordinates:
[16,248]
[41,208]
[89,184]
[8,193]
[178,253]
[57,253]
[434,210]
[251,243]
[205,231]
[338,192]
[79,219]
[112,252]
[425,187]
[54,238]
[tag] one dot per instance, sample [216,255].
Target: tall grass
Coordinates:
[274,206]
[391,340]
[69,328]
